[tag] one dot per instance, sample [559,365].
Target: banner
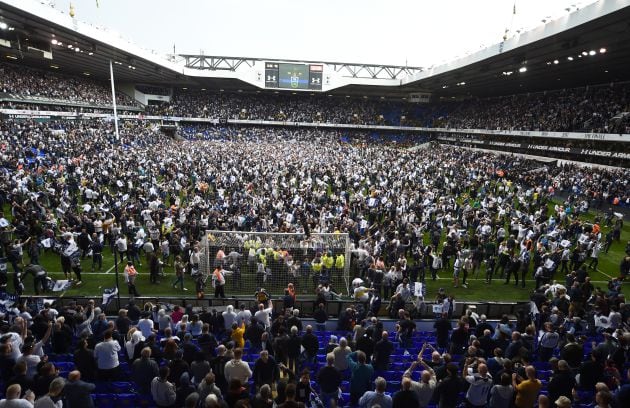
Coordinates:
[535,147]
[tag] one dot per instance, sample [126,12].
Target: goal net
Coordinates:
[273,260]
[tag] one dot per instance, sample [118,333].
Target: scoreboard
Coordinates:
[293,76]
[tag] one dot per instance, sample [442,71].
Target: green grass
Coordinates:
[93,284]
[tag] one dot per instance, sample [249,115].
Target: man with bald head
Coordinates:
[423,389]
[382,350]
[480,384]
[405,397]
[78,392]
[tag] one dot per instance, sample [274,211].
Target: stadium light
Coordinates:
[570,58]
[3,25]
[522,69]
[602,50]
[556,62]
[592,52]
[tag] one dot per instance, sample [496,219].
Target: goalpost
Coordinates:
[272,260]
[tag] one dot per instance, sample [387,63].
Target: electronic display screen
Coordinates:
[293,76]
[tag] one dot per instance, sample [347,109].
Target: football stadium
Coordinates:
[192,229]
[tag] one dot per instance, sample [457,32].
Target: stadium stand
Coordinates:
[416,206]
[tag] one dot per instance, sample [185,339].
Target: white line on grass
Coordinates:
[503,279]
[604,273]
[107,271]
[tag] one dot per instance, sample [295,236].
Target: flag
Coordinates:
[8,299]
[108,295]
[61,285]
[97,5]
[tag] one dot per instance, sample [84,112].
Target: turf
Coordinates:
[93,284]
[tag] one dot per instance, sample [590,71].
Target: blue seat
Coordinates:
[121,387]
[126,400]
[104,400]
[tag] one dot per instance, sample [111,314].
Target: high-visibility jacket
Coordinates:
[340,262]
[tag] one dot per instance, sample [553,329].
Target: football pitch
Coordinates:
[478,290]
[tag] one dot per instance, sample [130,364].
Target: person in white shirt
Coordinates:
[264,315]
[244,316]
[237,369]
[130,346]
[31,360]
[121,246]
[426,386]
[480,385]
[229,317]
[146,325]
[16,340]
[106,355]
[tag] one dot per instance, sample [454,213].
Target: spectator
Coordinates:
[526,389]
[106,355]
[502,394]
[341,353]
[144,370]
[426,386]
[13,399]
[377,397]
[163,391]
[448,389]
[208,387]
[54,398]
[77,392]
[382,351]
[265,370]
[329,379]
[361,374]
[237,368]
[406,397]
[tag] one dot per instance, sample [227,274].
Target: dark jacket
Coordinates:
[561,383]
[143,372]
[310,344]
[77,394]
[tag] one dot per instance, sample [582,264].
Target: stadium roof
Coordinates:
[483,73]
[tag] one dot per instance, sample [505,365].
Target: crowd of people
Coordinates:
[591,109]
[596,109]
[267,356]
[75,188]
[31,82]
